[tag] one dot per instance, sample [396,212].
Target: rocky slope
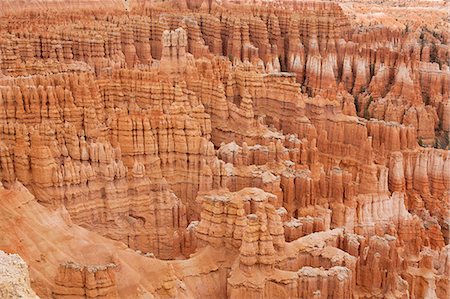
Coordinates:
[205,149]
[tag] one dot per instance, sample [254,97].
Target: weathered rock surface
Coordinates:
[226,149]
[92,281]
[14,278]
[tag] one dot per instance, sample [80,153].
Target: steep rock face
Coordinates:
[93,281]
[223,216]
[82,166]
[248,224]
[296,277]
[267,149]
[173,56]
[91,270]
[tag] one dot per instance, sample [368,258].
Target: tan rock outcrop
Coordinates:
[14,277]
[93,281]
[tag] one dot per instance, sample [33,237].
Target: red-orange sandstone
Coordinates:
[224,149]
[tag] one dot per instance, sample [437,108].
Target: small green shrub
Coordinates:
[356,104]
[420,141]
[366,108]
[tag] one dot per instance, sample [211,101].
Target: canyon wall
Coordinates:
[207,149]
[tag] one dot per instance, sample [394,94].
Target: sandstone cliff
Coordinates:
[226,149]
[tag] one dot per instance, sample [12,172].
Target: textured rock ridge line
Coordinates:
[225,149]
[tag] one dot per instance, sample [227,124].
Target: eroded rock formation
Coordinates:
[224,149]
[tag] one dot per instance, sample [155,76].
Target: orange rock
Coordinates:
[212,149]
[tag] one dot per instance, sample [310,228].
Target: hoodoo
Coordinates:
[224,149]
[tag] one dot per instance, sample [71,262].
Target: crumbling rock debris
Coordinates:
[14,278]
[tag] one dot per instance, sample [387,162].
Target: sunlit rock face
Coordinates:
[224,149]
